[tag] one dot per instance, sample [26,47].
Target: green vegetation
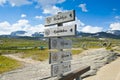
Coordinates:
[78,51]
[36,54]
[38,49]
[34,47]
[7,64]
[16,44]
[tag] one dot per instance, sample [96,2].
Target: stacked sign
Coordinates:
[60,60]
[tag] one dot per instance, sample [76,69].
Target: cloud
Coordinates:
[15,2]
[4,27]
[78,22]
[115,26]
[52,10]
[91,29]
[2,2]
[49,7]
[46,3]
[117,17]
[23,24]
[114,9]
[19,2]
[23,15]
[83,7]
[39,17]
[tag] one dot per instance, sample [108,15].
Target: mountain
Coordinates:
[115,32]
[38,34]
[98,35]
[18,33]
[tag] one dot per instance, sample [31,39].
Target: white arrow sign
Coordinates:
[62,55]
[60,31]
[60,18]
[57,69]
[59,43]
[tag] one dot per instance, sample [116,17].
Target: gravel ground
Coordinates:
[35,70]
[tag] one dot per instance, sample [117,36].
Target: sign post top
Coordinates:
[60,18]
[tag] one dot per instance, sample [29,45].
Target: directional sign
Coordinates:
[60,18]
[57,69]
[60,31]
[62,55]
[60,43]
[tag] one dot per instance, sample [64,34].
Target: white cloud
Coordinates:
[79,23]
[2,2]
[49,7]
[39,17]
[52,10]
[90,29]
[23,15]
[115,26]
[18,2]
[36,28]
[46,3]
[83,7]
[4,27]
[117,17]
[61,1]
[23,24]
[15,2]
[4,24]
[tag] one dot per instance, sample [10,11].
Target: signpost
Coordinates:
[60,60]
[63,67]
[63,55]
[56,43]
[60,18]
[61,31]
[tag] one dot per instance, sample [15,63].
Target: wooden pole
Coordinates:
[60,61]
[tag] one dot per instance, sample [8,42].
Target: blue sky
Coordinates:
[29,15]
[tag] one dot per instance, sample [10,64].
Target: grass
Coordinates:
[36,54]
[75,52]
[14,44]
[42,55]
[7,64]
[30,49]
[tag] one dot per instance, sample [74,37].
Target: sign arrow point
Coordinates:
[71,30]
[70,15]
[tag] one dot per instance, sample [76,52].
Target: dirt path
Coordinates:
[36,70]
[25,60]
[108,72]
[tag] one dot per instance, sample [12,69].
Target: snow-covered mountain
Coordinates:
[19,33]
[115,32]
[37,34]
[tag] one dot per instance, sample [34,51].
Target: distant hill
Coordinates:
[115,32]
[98,35]
[18,33]
[39,35]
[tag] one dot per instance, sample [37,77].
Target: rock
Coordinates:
[97,59]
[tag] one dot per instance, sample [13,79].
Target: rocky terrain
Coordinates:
[35,70]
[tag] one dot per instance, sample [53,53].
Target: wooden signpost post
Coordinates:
[60,60]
